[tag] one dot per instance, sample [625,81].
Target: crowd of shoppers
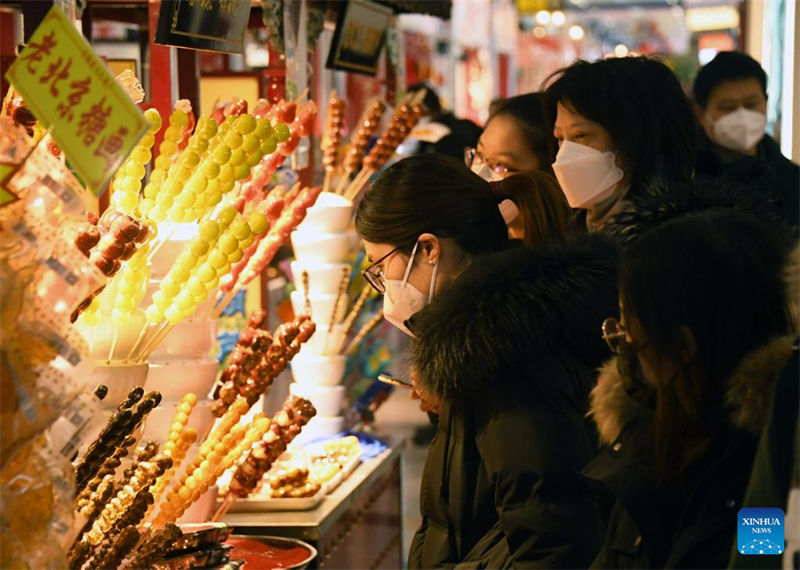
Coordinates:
[612,355]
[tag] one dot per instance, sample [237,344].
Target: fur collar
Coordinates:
[748,395]
[512,314]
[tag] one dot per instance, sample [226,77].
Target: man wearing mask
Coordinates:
[730,96]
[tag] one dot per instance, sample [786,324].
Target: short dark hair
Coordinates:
[726,66]
[728,292]
[430,100]
[432,193]
[642,105]
[529,113]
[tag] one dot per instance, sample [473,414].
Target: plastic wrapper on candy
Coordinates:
[36,491]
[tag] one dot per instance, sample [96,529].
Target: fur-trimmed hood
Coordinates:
[749,390]
[661,199]
[516,314]
[748,393]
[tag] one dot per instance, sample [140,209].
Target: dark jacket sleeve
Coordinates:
[533,459]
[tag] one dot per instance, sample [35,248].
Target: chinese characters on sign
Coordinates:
[72,93]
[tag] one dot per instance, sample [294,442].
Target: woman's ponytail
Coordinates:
[544,214]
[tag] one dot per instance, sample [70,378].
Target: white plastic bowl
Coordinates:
[330,213]
[310,247]
[188,339]
[313,370]
[322,277]
[321,308]
[318,427]
[160,419]
[327,400]
[174,378]
[119,378]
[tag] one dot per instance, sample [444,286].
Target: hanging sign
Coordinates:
[213,25]
[359,37]
[72,93]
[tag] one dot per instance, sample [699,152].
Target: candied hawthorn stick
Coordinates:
[332,137]
[368,125]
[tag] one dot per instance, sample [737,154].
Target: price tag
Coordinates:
[73,94]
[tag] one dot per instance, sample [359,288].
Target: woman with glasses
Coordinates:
[516,138]
[702,337]
[516,148]
[506,342]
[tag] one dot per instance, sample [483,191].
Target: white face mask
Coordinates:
[586,175]
[401,299]
[740,130]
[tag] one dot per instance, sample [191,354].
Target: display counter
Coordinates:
[359,525]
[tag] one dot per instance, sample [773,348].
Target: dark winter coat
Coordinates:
[769,172]
[652,527]
[511,348]
[661,199]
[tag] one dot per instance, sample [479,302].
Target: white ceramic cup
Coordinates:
[317,247]
[119,378]
[188,339]
[174,378]
[314,370]
[330,213]
[327,400]
[321,307]
[322,342]
[322,277]
[318,427]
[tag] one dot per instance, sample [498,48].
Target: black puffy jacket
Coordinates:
[511,348]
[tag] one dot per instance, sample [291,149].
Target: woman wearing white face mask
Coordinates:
[516,138]
[619,123]
[506,343]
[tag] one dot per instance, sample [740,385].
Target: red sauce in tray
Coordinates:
[263,555]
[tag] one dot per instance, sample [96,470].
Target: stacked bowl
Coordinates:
[321,245]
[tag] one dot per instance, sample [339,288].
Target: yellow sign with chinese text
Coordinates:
[72,93]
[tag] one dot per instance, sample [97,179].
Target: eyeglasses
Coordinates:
[473,157]
[374,275]
[614,334]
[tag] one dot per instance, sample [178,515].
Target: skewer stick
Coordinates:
[306,294]
[138,342]
[345,178]
[326,185]
[354,182]
[114,337]
[350,319]
[363,332]
[217,311]
[340,297]
[353,194]
[224,507]
[159,336]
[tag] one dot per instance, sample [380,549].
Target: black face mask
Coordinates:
[630,372]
